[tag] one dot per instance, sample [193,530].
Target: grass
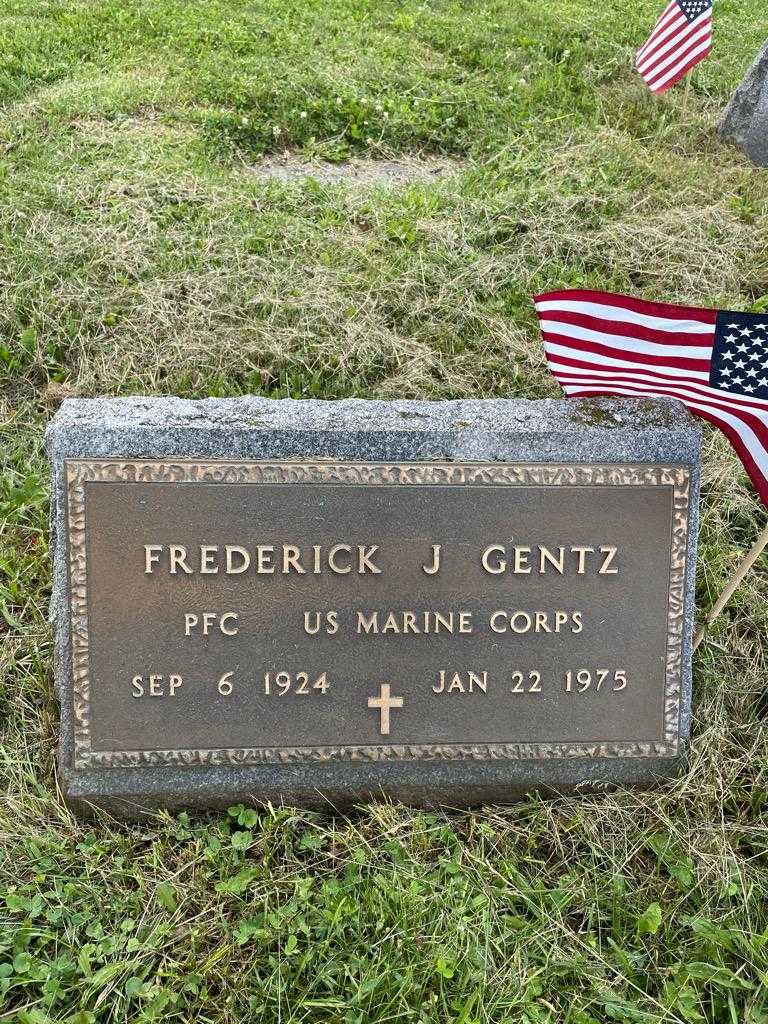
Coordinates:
[140,251]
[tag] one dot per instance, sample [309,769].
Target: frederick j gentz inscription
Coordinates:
[297,617]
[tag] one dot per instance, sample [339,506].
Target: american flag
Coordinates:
[714,361]
[680,39]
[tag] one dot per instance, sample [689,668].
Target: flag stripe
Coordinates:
[675,45]
[761,415]
[683,44]
[564,372]
[665,52]
[698,356]
[603,360]
[679,70]
[670,14]
[652,328]
[606,303]
[597,343]
[684,33]
[661,33]
[665,340]
[688,60]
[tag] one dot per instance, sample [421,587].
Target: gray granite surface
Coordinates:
[601,430]
[745,120]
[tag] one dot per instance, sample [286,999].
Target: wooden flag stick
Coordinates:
[735,580]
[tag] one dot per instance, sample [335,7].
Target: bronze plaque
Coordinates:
[246,613]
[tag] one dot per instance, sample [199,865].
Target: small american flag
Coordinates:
[714,361]
[680,39]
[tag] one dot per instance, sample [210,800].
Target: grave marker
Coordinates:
[745,120]
[322,603]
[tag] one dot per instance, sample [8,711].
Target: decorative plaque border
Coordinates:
[78,472]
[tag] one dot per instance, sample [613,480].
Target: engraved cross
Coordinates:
[384,702]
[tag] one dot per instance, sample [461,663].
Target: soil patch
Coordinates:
[404,171]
